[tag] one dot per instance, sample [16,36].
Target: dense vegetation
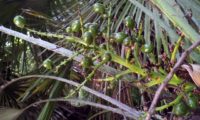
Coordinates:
[97,59]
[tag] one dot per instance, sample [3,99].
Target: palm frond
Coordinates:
[9,113]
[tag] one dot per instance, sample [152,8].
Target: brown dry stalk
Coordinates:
[168,78]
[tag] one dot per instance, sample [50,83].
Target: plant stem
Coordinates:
[170,104]
[173,57]
[109,26]
[89,77]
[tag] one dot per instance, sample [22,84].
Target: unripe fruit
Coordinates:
[180,109]
[192,101]
[48,64]
[68,29]
[119,37]
[76,26]
[107,57]
[103,46]
[129,22]
[19,21]
[87,62]
[88,38]
[127,41]
[93,28]
[189,87]
[99,8]
[147,48]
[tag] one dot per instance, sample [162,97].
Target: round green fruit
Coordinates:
[129,22]
[180,109]
[68,29]
[107,57]
[19,21]
[87,62]
[88,38]
[119,37]
[99,8]
[93,28]
[192,101]
[48,64]
[105,16]
[189,87]
[103,46]
[139,40]
[127,41]
[147,48]
[76,26]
